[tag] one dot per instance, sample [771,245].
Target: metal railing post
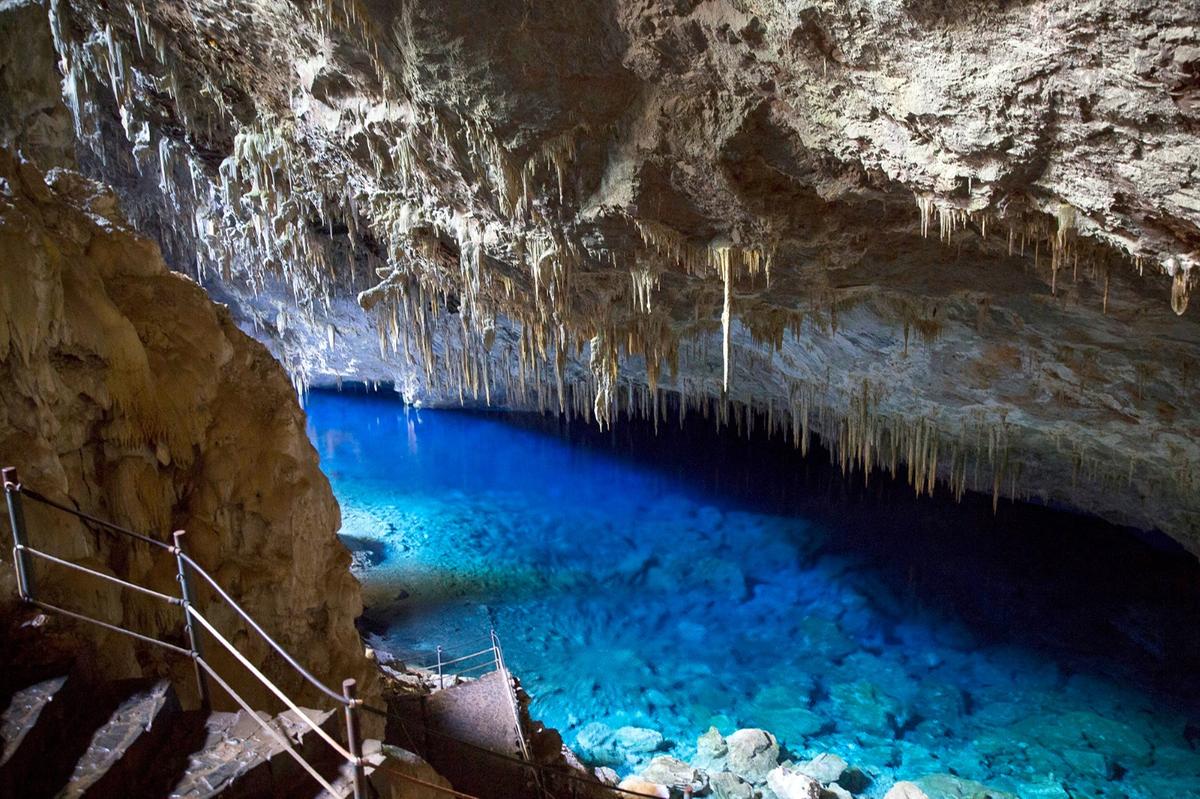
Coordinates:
[16,516]
[189,599]
[441,683]
[349,690]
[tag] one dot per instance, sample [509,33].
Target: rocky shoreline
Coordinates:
[751,764]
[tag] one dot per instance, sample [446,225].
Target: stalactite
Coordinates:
[925,203]
[725,267]
[1179,272]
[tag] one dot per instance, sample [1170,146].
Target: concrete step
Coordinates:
[124,748]
[451,726]
[392,773]
[25,708]
[240,760]
[61,736]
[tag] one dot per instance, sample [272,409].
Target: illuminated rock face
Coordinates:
[129,394]
[959,245]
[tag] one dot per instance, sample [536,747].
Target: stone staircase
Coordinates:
[458,724]
[65,735]
[62,737]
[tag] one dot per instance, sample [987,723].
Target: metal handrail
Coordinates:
[443,663]
[114,627]
[233,650]
[246,617]
[221,592]
[25,586]
[491,664]
[281,739]
[514,703]
[172,600]
[116,528]
[542,768]
[14,489]
[496,662]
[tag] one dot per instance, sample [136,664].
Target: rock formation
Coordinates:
[130,395]
[954,240]
[33,118]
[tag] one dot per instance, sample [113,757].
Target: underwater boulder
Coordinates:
[601,745]
[905,790]
[861,705]
[791,784]
[638,740]
[727,785]
[1053,789]
[645,787]
[365,553]
[711,751]
[672,771]
[824,767]
[823,639]
[785,710]
[1083,730]
[753,753]
[916,758]
[948,786]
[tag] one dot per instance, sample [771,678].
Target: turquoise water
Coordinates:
[687,581]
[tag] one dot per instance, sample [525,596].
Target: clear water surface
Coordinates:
[684,581]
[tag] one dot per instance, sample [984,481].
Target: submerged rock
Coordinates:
[905,790]
[790,784]
[727,785]
[599,744]
[674,772]
[645,787]
[948,786]
[753,753]
[711,751]
[365,553]
[824,768]
[862,706]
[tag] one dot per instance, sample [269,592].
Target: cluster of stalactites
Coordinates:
[254,212]
[513,185]
[262,212]
[722,256]
[1060,238]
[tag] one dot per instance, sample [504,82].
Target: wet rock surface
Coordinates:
[128,394]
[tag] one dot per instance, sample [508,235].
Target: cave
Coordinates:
[742,399]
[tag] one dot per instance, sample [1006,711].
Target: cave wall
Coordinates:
[33,119]
[125,392]
[955,240]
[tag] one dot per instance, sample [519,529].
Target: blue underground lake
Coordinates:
[691,579]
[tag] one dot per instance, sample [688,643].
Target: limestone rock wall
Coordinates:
[33,119]
[125,391]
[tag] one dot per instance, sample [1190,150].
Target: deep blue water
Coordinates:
[688,580]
